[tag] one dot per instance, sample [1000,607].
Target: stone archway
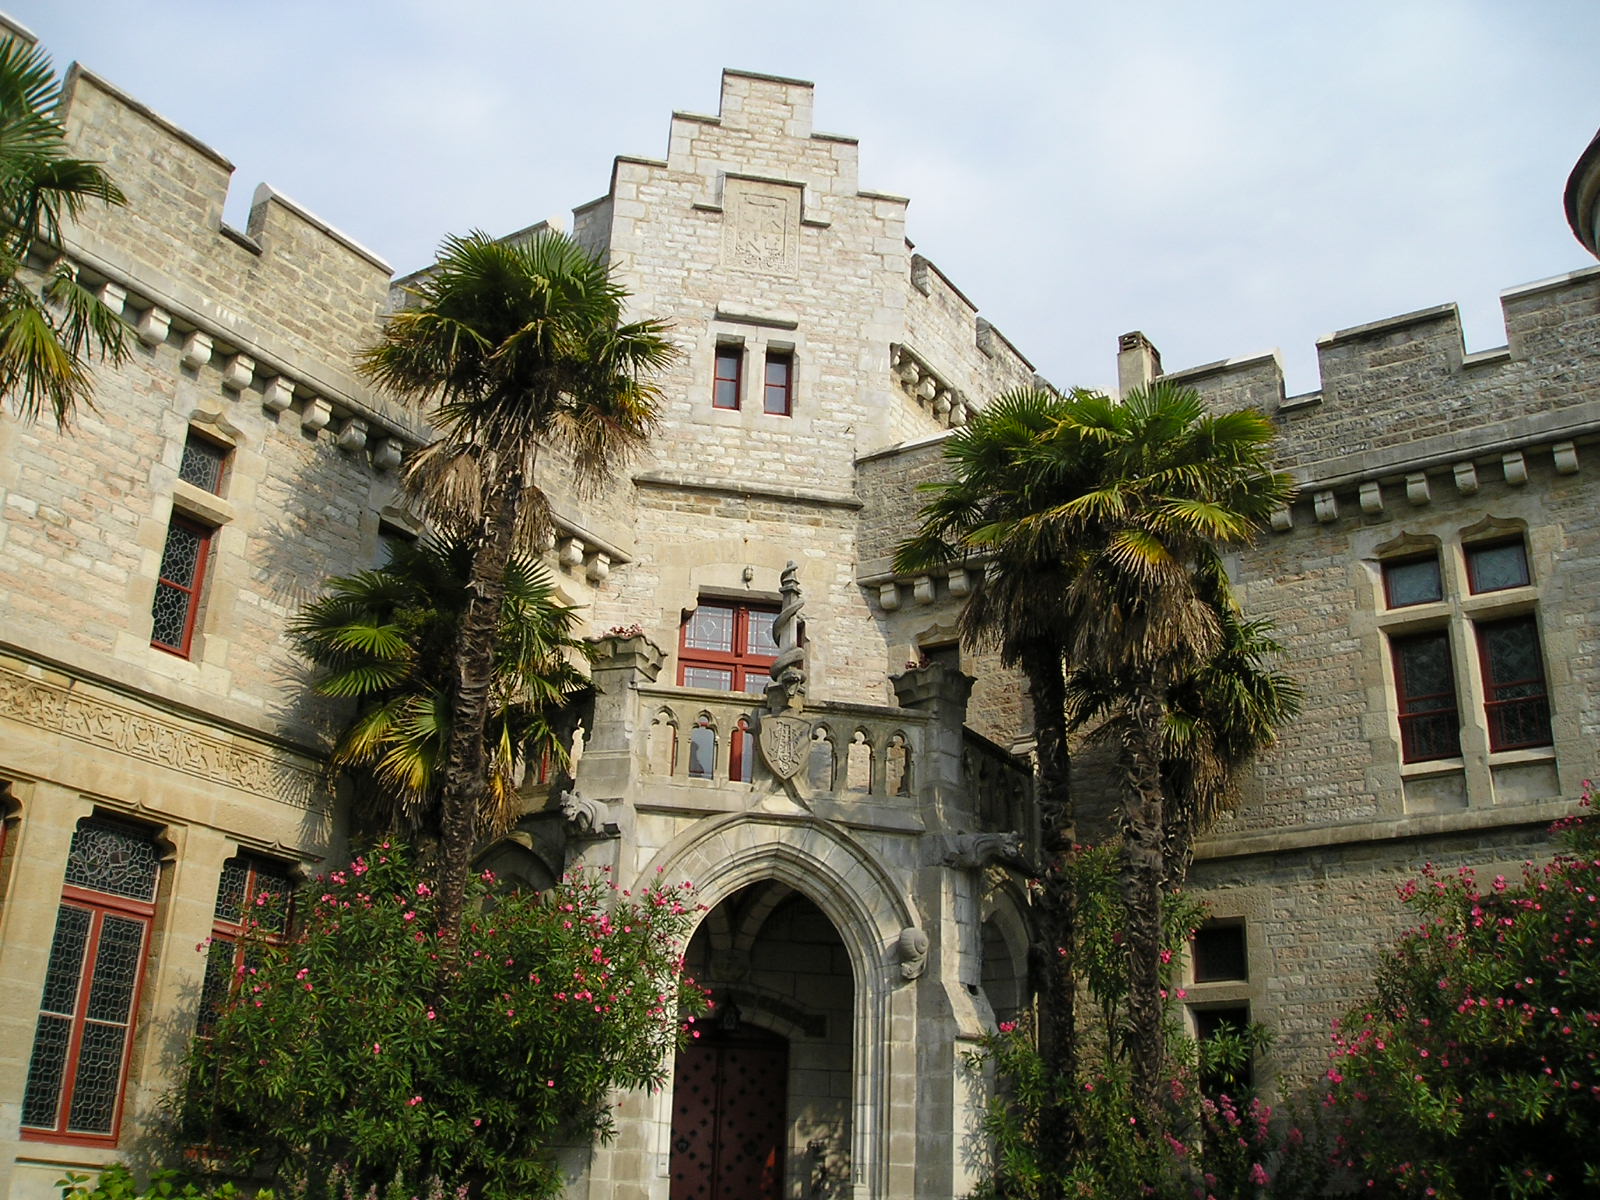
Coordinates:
[868,909]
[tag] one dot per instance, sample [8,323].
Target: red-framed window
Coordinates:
[183,572]
[78,1070]
[1516,703]
[1425,687]
[1495,566]
[777,387]
[252,897]
[729,378]
[727,647]
[1408,581]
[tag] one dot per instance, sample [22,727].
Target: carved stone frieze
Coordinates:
[99,721]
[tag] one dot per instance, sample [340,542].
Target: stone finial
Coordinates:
[788,669]
[912,950]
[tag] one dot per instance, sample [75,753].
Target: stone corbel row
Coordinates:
[576,555]
[924,385]
[924,588]
[239,371]
[1513,468]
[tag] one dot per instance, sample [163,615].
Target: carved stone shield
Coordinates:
[784,742]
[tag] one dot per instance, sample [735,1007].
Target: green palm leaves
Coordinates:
[383,638]
[48,330]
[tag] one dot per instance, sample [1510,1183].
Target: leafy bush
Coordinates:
[1472,1072]
[1212,1146]
[351,1048]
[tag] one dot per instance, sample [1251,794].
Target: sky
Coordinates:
[1228,177]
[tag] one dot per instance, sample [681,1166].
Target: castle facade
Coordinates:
[161,756]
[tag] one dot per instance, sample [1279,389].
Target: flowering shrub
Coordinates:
[1213,1147]
[1473,1071]
[350,1046]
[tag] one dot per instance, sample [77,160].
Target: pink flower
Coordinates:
[376,1048]
[1008,1026]
[1258,1175]
[414,1101]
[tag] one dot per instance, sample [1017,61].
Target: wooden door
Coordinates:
[728,1117]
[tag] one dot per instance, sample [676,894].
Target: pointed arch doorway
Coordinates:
[729,1116]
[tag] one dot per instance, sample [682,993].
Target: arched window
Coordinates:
[822,761]
[742,753]
[663,754]
[703,748]
[858,763]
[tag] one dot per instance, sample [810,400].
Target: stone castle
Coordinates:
[160,758]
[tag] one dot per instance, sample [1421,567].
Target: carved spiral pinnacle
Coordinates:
[788,669]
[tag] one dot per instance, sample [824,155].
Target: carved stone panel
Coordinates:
[761,226]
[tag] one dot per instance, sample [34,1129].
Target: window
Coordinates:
[1219,954]
[1225,1074]
[777,391]
[729,377]
[727,647]
[188,546]
[79,1065]
[252,896]
[1497,566]
[742,752]
[1410,581]
[1430,725]
[203,463]
[1515,703]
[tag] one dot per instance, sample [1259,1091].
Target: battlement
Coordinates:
[1400,393]
[286,302]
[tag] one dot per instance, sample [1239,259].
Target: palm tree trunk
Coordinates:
[465,770]
[1057,913]
[1143,826]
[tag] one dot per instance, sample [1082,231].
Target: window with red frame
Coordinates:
[1430,723]
[78,1070]
[183,559]
[1495,566]
[777,389]
[253,898]
[742,752]
[1408,581]
[729,377]
[1516,703]
[183,571]
[727,647]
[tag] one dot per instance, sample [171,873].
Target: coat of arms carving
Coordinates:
[785,742]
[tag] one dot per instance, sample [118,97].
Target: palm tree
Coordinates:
[522,349]
[998,478]
[383,638]
[1163,484]
[48,332]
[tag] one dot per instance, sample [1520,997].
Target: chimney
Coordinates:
[1138,362]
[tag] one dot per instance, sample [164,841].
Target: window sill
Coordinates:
[1528,754]
[1432,767]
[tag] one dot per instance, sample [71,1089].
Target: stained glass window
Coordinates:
[1430,725]
[254,898]
[86,1013]
[177,599]
[1497,566]
[1412,581]
[1515,701]
[202,463]
[728,647]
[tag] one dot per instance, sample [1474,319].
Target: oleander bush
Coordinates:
[1472,1070]
[359,1051]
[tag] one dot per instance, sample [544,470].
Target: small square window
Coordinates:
[1219,954]
[729,377]
[777,392]
[1497,566]
[203,462]
[1410,581]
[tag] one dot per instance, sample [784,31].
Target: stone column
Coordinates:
[616,749]
[936,767]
